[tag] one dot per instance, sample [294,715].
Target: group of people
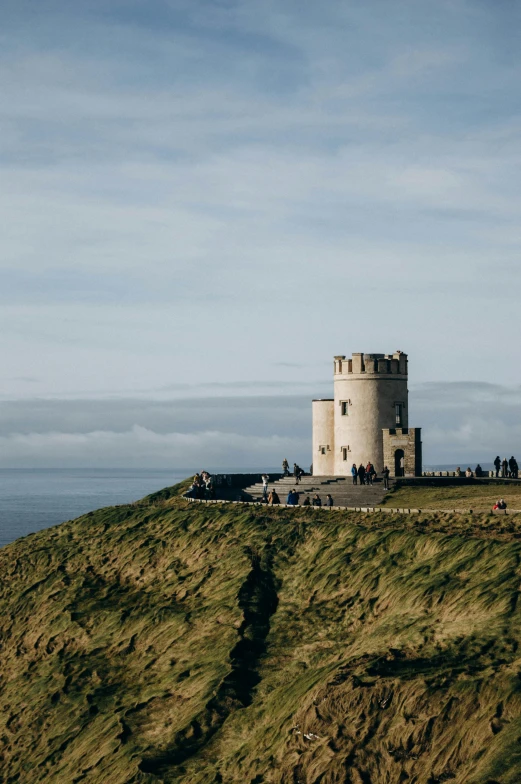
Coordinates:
[203,486]
[365,474]
[469,473]
[509,468]
[298,472]
[294,497]
[272,498]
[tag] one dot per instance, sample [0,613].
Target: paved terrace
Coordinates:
[239,488]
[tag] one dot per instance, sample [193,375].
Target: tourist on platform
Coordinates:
[317,501]
[500,506]
[306,502]
[512,465]
[354,473]
[368,475]
[292,498]
[209,487]
[273,498]
[265,479]
[301,473]
[361,474]
[285,467]
[198,486]
[468,473]
[504,468]
[385,476]
[478,471]
[497,465]
[458,471]
[329,500]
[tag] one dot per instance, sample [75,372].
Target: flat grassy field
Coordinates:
[476,497]
[171,642]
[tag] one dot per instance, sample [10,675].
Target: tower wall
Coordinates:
[323,437]
[368,388]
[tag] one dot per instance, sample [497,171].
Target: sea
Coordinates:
[32,499]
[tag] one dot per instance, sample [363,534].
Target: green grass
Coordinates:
[143,644]
[477,497]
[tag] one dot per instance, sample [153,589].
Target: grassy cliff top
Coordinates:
[168,641]
[478,497]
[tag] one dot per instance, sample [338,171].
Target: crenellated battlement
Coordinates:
[372,364]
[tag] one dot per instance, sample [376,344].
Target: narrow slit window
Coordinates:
[398,409]
[344,407]
[345,452]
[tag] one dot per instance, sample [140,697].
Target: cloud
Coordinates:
[200,192]
[462,423]
[140,447]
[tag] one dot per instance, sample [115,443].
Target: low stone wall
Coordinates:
[240,481]
[368,509]
[484,475]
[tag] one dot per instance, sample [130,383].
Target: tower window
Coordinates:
[345,452]
[323,449]
[344,407]
[398,407]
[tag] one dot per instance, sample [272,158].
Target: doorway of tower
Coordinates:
[399,463]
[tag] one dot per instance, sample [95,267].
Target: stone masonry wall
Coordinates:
[408,439]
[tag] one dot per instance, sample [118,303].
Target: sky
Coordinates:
[202,202]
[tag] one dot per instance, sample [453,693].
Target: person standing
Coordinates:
[497,465]
[285,467]
[504,468]
[265,479]
[361,474]
[385,476]
[354,473]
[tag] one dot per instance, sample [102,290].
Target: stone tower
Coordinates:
[368,418]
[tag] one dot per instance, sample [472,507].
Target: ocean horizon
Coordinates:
[35,498]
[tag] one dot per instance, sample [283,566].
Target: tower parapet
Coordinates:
[372,364]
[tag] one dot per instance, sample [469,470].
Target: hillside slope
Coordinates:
[171,642]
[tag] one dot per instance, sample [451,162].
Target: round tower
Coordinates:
[370,394]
